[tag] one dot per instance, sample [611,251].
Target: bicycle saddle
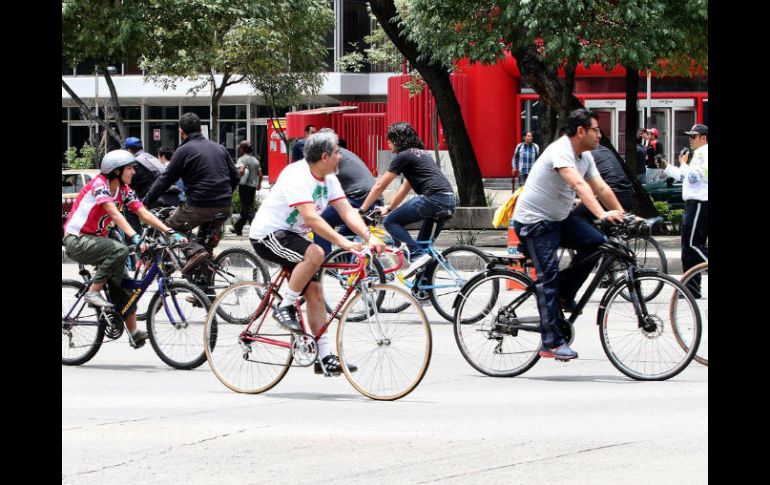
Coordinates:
[443,215]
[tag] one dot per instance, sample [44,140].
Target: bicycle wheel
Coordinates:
[335,284]
[689,280]
[505,341]
[650,351]
[461,264]
[234,265]
[81,332]
[391,350]
[249,357]
[649,255]
[175,324]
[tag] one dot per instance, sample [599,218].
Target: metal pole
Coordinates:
[96,97]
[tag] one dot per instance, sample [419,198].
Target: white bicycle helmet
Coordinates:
[116,159]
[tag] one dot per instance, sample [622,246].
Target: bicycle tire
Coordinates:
[335,285]
[631,348]
[499,344]
[178,344]
[81,330]
[379,344]
[237,360]
[234,265]
[465,265]
[701,355]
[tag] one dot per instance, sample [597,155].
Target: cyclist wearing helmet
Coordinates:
[96,206]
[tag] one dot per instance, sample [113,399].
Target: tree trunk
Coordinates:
[86,110]
[216,95]
[632,118]
[466,167]
[115,104]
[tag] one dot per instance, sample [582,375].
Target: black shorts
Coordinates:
[285,248]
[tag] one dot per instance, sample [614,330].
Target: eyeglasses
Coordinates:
[598,130]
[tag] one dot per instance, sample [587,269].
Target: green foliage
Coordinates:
[675,217]
[663,208]
[86,159]
[634,33]
[236,201]
[467,238]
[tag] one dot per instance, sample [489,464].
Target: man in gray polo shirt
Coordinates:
[543,222]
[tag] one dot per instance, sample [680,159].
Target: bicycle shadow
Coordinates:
[317,396]
[137,367]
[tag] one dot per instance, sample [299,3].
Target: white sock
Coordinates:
[324,348]
[289,297]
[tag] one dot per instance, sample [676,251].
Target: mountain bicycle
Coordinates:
[174,319]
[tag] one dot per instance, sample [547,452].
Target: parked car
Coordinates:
[72,182]
[667,191]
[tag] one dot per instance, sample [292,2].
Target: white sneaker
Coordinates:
[417,264]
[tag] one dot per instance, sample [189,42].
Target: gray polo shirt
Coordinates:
[252,165]
[546,195]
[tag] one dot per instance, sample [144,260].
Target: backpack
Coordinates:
[504,213]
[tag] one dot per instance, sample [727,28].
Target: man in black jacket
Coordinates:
[209,176]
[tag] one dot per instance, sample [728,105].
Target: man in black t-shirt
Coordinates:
[434,193]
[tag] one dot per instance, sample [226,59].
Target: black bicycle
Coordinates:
[498,332]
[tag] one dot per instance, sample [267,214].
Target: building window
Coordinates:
[203,112]
[162,112]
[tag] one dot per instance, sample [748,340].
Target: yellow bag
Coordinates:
[505,212]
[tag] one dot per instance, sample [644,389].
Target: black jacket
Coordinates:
[207,170]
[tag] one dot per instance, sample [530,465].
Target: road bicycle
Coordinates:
[175,316]
[391,351]
[697,280]
[498,332]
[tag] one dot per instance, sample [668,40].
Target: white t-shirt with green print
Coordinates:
[295,185]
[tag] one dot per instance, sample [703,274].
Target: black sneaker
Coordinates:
[332,364]
[137,339]
[286,316]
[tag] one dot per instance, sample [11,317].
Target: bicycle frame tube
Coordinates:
[139,287]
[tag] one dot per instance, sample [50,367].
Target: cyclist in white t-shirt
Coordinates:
[279,233]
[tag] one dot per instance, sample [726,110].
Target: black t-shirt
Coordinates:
[611,171]
[421,171]
[651,152]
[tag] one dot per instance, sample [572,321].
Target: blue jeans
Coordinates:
[333,218]
[542,240]
[419,208]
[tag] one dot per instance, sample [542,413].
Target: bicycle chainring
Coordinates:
[113,325]
[304,349]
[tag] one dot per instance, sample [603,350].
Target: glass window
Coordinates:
[203,112]
[64,132]
[162,112]
[355,26]
[71,184]
[262,111]
[167,134]
[230,134]
[232,112]
[131,112]
[85,67]
[64,113]
[132,129]
[683,121]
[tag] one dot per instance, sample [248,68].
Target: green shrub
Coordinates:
[663,208]
[236,201]
[86,159]
[676,216]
